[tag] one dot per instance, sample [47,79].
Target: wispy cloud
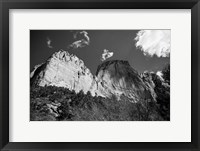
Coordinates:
[154,42]
[82,40]
[49,43]
[106,54]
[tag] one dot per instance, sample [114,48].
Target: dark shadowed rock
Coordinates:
[117,77]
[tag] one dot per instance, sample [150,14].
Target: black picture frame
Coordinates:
[5,5]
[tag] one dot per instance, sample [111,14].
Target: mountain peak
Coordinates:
[116,68]
[63,70]
[115,64]
[117,77]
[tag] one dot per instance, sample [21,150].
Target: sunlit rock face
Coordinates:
[117,77]
[63,70]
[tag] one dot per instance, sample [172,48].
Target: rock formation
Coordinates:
[63,70]
[113,78]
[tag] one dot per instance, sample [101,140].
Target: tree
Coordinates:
[166,73]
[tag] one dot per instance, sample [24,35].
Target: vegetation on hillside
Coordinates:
[57,103]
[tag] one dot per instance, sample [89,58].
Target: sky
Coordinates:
[145,50]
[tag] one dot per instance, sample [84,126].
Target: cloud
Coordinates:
[154,42]
[106,54]
[82,40]
[49,43]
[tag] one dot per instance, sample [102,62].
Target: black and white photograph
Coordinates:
[100,75]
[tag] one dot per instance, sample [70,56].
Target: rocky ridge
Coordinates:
[115,77]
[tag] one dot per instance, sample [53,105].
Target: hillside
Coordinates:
[54,104]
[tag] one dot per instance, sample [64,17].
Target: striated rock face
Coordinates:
[63,70]
[117,77]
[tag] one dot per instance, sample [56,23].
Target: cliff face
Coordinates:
[117,77]
[63,70]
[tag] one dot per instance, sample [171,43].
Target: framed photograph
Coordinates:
[85,75]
